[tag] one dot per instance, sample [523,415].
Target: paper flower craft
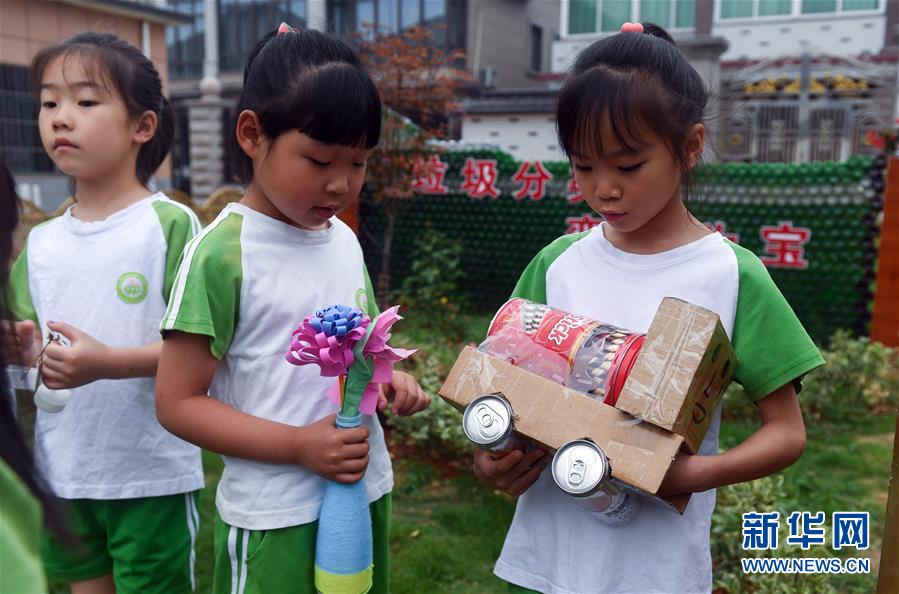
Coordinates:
[346,344]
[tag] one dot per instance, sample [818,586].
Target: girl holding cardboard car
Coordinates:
[630,120]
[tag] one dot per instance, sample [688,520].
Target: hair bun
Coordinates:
[657,31]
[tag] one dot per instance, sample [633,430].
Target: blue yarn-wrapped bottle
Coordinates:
[343,549]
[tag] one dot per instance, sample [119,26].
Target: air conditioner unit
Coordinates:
[487,77]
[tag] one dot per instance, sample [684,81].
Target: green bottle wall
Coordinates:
[814,224]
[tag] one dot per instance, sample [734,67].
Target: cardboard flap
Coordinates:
[681,371]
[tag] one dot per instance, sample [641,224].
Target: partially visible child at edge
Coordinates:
[99,276]
[630,120]
[307,120]
[26,499]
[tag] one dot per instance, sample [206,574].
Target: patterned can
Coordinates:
[487,422]
[584,354]
[581,469]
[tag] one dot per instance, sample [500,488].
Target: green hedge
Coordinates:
[838,202]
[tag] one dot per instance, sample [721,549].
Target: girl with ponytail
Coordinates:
[88,293]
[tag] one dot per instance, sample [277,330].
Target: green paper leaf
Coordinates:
[358,377]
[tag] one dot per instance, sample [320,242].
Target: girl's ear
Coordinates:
[249,133]
[694,145]
[146,127]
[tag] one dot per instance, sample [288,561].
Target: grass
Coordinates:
[845,467]
[448,529]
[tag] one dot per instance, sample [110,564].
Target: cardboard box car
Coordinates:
[550,414]
[667,402]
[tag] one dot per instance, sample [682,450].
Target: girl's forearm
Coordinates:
[215,426]
[775,446]
[127,362]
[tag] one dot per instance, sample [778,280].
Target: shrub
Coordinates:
[430,291]
[437,430]
[859,376]
[762,495]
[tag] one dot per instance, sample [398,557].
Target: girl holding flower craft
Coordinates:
[306,122]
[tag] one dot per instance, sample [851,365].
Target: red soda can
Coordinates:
[584,354]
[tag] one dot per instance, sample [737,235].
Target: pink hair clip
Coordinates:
[632,28]
[285,28]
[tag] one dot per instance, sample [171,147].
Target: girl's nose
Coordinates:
[338,184]
[62,118]
[607,189]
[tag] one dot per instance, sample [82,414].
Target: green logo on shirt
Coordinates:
[131,287]
[362,300]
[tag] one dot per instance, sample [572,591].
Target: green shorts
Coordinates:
[282,561]
[147,544]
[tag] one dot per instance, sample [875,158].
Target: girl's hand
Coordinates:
[339,455]
[407,396]
[80,363]
[514,473]
[21,342]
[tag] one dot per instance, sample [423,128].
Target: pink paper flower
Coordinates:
[330,337]
[334,356]
[383,357]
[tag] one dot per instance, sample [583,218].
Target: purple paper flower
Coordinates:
[327,339]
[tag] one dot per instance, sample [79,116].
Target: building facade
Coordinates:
[790,80]
[507,44]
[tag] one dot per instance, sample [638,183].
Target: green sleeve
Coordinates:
[205,296]
[18,292]
[21,569]
[532,282]
[773,349]
[179,225]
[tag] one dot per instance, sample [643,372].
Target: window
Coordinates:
[243,23]
[774,7]
[20,141]
[410,13]
[849,5]
[738,9]
[536,48]
[581,16]
[592,16]
[615,13]
[184,43]
[349,17]
[816,6]
[665,12]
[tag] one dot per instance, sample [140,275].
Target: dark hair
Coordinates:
[639,82]
[13,449]
[311,82]
[134,78]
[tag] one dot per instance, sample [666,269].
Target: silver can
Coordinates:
[487,421]
[582,469]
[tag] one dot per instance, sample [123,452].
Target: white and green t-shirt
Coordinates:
[111,279]
[246,282]
[554,544]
